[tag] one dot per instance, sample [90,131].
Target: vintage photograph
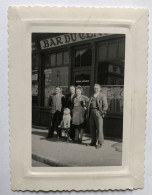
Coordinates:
[77,99]
[77,95]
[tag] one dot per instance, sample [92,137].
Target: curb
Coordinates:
[48,161]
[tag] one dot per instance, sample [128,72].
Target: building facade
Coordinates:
[78,59]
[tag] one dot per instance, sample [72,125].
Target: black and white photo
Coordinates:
[77,87]
[77,99]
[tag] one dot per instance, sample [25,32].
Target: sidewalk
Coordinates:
[60,153]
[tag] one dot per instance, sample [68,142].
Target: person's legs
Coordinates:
[99,127]
[76,134]
[51,126]
[81,134]
[92,128]
[58,119]
[72,132]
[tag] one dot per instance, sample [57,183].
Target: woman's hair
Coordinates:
[58,87]
[96,84]
[72,86]
[79,87]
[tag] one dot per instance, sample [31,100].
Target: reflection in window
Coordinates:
[110,73]
[83,58]
[114,98]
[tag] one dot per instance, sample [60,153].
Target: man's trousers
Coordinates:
[55,120]
[96,127]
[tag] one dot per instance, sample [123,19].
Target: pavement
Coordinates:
[36,163]
[51,152]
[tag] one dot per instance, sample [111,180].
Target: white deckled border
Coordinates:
[133,23]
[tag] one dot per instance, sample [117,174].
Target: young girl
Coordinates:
[78,113]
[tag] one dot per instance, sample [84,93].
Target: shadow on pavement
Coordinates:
[86,137]
[44,134]
[64,140]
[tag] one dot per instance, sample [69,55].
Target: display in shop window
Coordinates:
[34,77]
[34,89]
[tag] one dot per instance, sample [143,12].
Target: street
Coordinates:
[51,152]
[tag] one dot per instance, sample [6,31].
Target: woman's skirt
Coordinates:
[78,116]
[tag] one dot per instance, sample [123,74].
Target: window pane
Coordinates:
[77,59]
[53,77]
[86,58]
[83,57]
[114,98]
[102,52]
[110,74]
[46,61]
[53,59]
[66,57]
[112,54]
[121,49]
[102,73]
[35,61]
[59,59]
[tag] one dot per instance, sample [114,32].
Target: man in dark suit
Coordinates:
[69,104]
[97,108]
[56,103]
[70,97]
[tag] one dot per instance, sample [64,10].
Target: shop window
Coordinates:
[53,59]
[53,77]
[35,61]
[102,52]
[59,59]
[46,61]
[121,49]
[35,82]
[114,69]
[34,77]
[110,73]
[83,57]
[112,51]
[102,73]
[115,99]
[34,89]
[56,59]
[113,81]
[66,57]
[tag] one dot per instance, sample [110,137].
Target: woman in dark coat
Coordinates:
[78,113]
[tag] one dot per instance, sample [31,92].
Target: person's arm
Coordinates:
[86,99]
[72,103]
[104,103]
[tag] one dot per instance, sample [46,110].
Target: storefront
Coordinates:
[78,59]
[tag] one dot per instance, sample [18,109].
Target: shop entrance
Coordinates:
[81,68]
[83,79]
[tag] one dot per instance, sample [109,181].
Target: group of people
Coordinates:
[81,107]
